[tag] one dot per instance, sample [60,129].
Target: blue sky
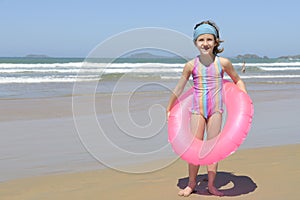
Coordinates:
[62,28]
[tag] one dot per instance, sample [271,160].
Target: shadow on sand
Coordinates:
[233,185]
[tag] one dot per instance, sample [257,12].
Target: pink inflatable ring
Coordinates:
[204,152]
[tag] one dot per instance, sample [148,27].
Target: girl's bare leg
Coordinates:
[197,126]
[193,172]
[213,129]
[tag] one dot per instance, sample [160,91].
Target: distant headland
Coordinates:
[238,57]
[146,55]
[36,56]
[250,56]
[254,56]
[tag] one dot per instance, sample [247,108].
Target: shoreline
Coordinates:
[260,173]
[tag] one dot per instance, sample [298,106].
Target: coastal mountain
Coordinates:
[254,56]
[36,56]
[250,56]
[238,57]
[290,57]
[146,55]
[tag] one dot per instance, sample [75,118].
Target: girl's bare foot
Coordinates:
[214,191]
[188,190]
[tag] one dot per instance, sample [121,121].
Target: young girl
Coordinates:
[207,71]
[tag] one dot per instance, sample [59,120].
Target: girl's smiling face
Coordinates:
[205,44]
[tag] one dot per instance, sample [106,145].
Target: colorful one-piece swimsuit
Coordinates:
[208,84]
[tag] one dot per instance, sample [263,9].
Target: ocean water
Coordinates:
[47,77]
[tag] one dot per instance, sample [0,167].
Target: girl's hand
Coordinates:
[167,115]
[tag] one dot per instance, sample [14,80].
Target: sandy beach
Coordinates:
[262,173]
[42,156]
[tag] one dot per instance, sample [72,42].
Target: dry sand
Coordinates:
[262,173]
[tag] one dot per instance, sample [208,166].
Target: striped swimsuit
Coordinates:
[207,96]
